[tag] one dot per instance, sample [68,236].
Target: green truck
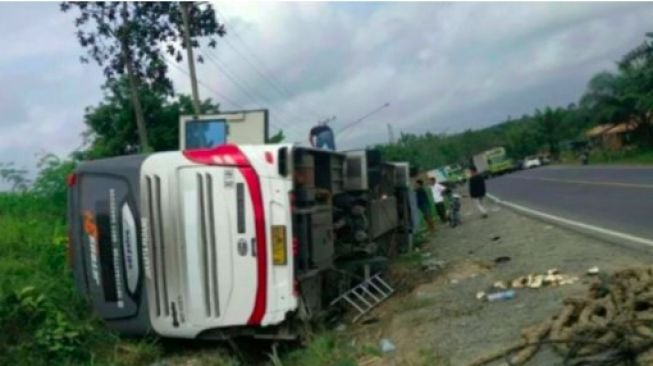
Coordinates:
[455,173]
[450,174]
[493,161]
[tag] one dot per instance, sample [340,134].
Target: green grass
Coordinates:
[43,321]
[637,156]
[625,157]
[328,349]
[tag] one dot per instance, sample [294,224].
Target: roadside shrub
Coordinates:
[325,349]
[623,156]
[50,182]
[35,329]
[43,321]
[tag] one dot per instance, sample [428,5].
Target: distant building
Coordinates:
[612,136]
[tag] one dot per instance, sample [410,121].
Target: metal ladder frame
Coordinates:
[362,299]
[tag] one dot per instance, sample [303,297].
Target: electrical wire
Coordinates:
[209,88]
[253,96]
[359,120]
[268,77]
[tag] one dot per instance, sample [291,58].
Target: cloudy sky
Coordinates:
[443,67]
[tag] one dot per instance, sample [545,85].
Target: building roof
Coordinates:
[599,130]
[611,129]
[621,128]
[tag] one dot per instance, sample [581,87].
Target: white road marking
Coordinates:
[599,167]
[570,181]
[577,224]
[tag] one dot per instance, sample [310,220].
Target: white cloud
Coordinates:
[433,62]
[442,66]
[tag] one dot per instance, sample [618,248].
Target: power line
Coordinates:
[227,73]
[209,88]
[245,89]
[359,120]
[276,85]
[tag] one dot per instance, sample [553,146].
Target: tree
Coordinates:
[604,98]
[17,178]
[636,71]
[129,38]
[50,182]
[549,125]
[110,128]
[626,96]
[622,96]
[277,137]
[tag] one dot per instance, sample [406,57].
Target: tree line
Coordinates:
[140,109]
[624,95]
[133,44]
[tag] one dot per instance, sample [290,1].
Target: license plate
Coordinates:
[279,257]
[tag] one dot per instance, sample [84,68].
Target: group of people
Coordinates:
[447,212]
[322,136]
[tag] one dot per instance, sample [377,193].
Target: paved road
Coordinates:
[615,198]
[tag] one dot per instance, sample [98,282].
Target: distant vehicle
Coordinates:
[493,162]
[481,163]
[545,160]
[532,162]
[440,174]
[448,175]
[455,173]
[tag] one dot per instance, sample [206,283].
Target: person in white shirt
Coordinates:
[438,189]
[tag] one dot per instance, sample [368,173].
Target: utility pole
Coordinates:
[189,54]
[391,134]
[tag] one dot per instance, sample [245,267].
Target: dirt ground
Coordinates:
[441,322]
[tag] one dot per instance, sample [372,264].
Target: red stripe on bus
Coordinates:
[238,159]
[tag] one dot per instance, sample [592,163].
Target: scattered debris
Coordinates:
[502,259]
[501,296]
[370,320]
[552,278]
[593,271]
[432,265]
[386,346]
[454,281]
[370,361]
[500,285]
[481,295]
[341,328]
[611,325]
[474,250]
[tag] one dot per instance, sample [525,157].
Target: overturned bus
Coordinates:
[235,239]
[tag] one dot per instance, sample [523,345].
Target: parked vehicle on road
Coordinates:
[493,162]
[440,174]
[532,162]
[455,173]
[545,160]
[449,175]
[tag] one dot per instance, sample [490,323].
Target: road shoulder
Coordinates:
[440,320]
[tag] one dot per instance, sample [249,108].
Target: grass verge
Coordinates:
[635,157]
[42,320]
